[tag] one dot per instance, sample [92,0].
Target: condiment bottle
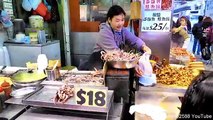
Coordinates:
[7,89]
[2,99]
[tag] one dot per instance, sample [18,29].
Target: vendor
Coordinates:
[113,36]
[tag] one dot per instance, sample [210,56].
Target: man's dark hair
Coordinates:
[198,97]
[115,10]
[200,18]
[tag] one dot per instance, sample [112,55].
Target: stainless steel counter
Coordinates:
[31,45]
[16,110]
[165,98]
[20,54]
[12,111]
[54,114]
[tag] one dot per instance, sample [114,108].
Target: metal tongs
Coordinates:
[1,71]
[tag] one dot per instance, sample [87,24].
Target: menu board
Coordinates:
[156,21]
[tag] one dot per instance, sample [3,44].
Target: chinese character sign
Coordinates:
[157,4]
[156,21]
[152,4]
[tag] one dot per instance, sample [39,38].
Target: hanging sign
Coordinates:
[156,21]
[157,4]
[88,96]
[152,4]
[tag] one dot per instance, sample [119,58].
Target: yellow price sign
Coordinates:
[88,96]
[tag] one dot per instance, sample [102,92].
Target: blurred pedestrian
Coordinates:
[196,31]
[205,42]
[182,28]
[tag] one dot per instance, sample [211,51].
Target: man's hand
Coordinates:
[147,49]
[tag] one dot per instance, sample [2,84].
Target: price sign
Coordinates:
[156,21]
[88,96]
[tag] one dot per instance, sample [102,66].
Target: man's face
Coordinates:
[117,22]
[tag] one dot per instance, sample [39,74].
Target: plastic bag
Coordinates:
[155,112]
[145,64]
[5,19]
[35,3]
[26,5]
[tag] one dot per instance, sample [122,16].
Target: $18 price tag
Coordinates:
[88,96]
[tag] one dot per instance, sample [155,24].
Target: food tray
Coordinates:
[44,98]
[181,88]
[20,93]
[66,75]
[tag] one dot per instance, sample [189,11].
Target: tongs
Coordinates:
[1,71]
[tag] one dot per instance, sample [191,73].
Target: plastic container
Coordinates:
[2,99]
[148,80]
[7,89]
[41,9]
[20,37]
[42,62]
[36,21]
[53,74]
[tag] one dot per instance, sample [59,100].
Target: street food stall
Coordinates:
[42,89]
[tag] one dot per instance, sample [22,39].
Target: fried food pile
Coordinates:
[119,55]
[170,75]
[181,53]
[64,93]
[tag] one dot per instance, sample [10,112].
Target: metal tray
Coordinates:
[66,74]
[44,98]
[19,93]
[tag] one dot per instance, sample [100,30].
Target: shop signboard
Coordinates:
[209,8]
[156,21]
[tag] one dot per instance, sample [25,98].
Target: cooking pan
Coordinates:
[123,64]
[24,78]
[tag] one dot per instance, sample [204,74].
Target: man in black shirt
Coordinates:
[197,31]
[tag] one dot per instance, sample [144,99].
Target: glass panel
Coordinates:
[125,4]
[96,10]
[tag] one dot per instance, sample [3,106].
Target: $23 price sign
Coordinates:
[88,96]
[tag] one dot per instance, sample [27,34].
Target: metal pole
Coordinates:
[66,32]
